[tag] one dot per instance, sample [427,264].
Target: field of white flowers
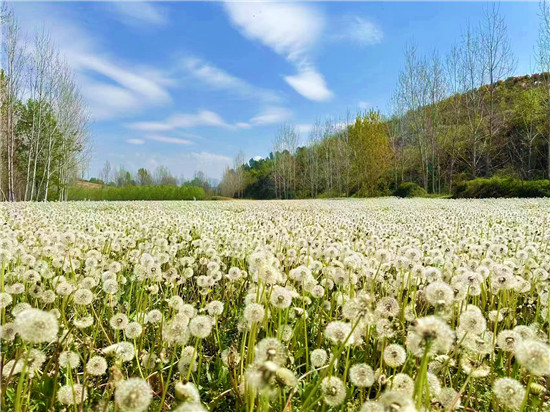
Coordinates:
[342,305]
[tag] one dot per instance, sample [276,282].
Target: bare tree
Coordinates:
[284,171]
[413,96]
[238,164]
[456,87]
[315,137]
[436,93]
[13,62]
[105,173]
[497,63]
[471,77]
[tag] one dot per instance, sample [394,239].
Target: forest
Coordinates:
[455,118]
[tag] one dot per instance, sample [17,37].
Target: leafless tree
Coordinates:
[284,148]
[497,63]
[454,71]
[13,63]
[471,78]
[413,97]
[435,78]
[238,163]
[314,140]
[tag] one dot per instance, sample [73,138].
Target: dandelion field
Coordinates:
[319,305]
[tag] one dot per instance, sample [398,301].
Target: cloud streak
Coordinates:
[173,140]
[360,31]
[138,13]
[218,78]
[181,121]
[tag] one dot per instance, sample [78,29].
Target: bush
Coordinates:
[502,187]
[184,192]
[409,189]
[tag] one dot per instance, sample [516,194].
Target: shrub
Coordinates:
[502,187]
[409,189]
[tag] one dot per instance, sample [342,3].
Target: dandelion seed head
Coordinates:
[334,390]
[72,394]
[96,366]
[36,326]
[133,395]
[361,375]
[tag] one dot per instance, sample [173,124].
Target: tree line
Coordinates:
[44,137]
[161,176]
[453,118]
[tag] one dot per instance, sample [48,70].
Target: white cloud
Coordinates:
[219,79]
[202,118]
[129,92]
[310,84]
[271,115]
[132,80]
[135,141]
[288,28]
[291,30]
[361,31]
[174,140]
[138,13]
[304,128]
[211,75]
[182,121]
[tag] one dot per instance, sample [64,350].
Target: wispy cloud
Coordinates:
[304,128]
[218,78]
[359,30]
[135,141]
[128,92]
[207,118]
[291,30]
[271,115]
[182,121]
[138,13]
[174,140]
[112,88]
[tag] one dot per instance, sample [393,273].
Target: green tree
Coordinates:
[370,151]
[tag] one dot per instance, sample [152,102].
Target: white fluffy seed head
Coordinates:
[133,395]
[36,326]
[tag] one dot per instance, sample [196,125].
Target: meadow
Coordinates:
[309,305]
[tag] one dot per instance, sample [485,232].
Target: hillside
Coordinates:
[494,130]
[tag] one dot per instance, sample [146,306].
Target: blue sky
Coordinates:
[189,84]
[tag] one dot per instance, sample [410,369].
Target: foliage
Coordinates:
[348,160]
[409,189]
[502,187]
[370,153]
[159,192]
